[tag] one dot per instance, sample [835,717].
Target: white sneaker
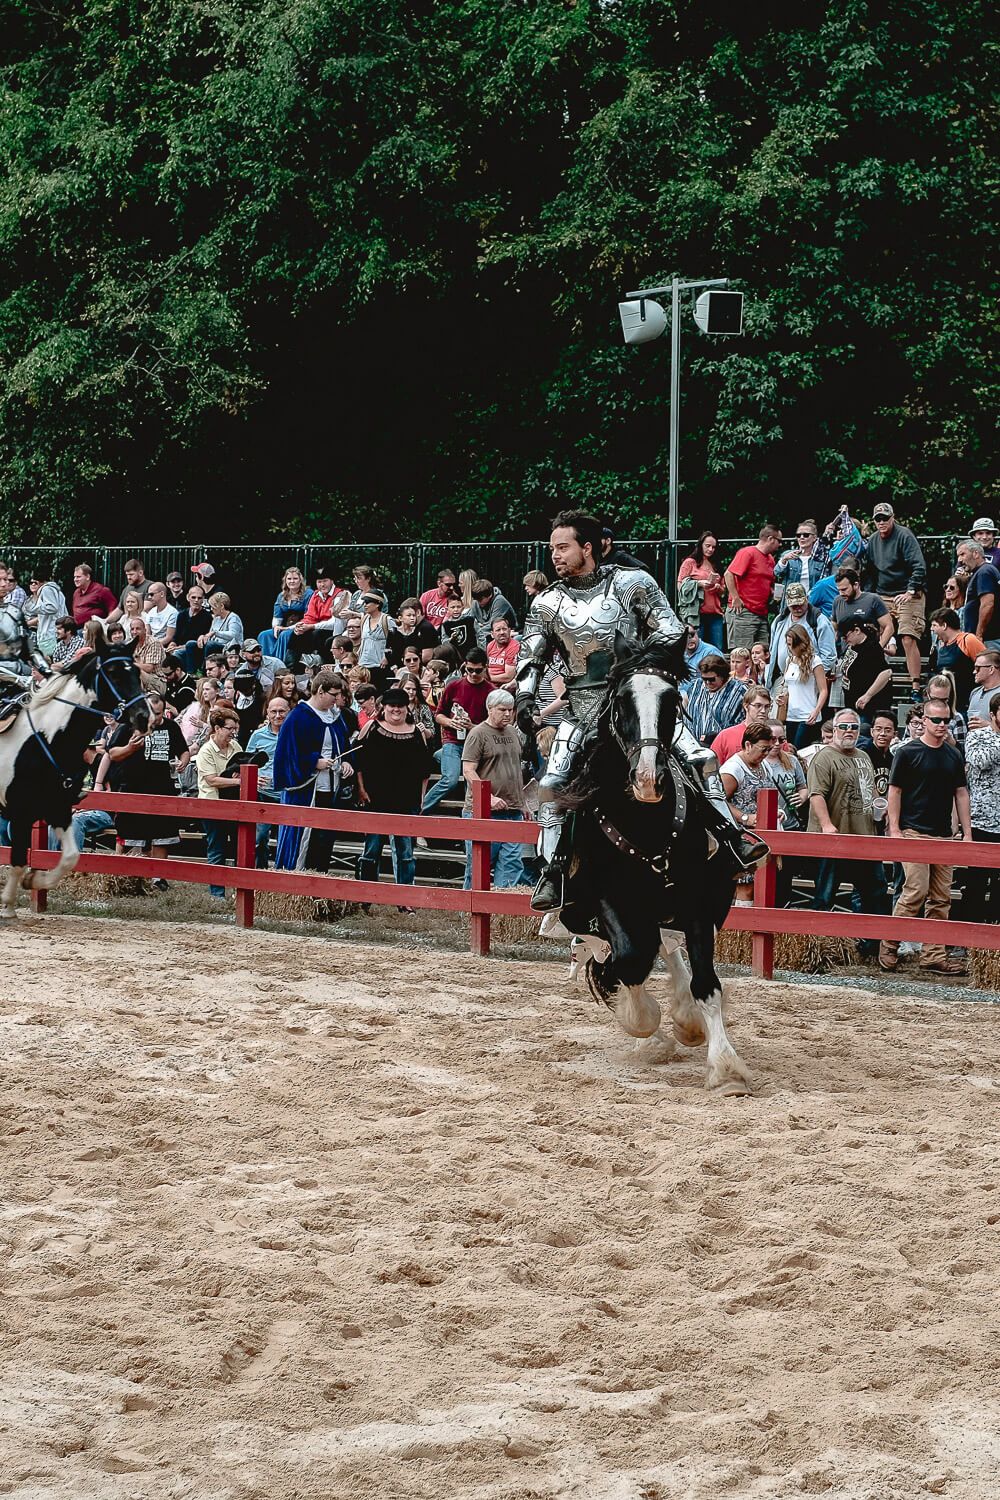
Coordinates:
[422,844]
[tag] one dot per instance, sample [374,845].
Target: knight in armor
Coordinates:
[18,655]
[579,617]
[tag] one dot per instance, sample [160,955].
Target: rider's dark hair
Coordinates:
[585,527]
[699,547]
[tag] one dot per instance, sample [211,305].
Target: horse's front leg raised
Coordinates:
[44,880]
[727,1071]
[632,957]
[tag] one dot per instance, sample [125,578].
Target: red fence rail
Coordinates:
[764,920]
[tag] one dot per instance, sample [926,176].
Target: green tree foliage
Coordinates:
[334,268]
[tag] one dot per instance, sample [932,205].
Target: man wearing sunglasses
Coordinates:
[927,788]
[461,705]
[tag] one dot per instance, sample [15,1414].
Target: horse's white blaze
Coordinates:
[726,1069]
[647,691]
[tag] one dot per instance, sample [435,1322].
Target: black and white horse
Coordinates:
[42,757]
[643,881]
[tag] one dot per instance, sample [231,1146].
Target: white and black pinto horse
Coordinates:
[643,881]
[42,757]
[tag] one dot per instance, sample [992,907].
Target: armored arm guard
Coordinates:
[537,646]
[643,598]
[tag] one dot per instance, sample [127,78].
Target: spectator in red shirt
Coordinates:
[501,653]
[434,602]
[750,581]
[90,598]
[756,710]
[462,704]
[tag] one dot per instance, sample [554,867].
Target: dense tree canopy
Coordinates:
[349,268]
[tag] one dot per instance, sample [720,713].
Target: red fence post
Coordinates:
[39,840]
[246,847]
[765,882]
[479,929]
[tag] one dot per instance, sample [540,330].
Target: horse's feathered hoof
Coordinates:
[600,981]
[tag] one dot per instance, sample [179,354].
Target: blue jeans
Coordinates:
[93,821]
[216,844]
[865,876]
[449,758]
[264,830]
[404,866]
[712,629]
[506,864]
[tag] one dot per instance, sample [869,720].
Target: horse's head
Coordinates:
[643,712]
[114,678]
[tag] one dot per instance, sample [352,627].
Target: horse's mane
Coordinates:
[81,669]
[654,656]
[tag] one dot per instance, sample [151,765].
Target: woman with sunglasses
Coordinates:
[743,776]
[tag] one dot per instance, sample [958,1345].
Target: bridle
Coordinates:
[632,751]
[659,863]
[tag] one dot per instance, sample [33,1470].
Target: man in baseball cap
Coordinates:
[984,532]
[205,575]
[900,580]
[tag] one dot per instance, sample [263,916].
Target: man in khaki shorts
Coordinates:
[898,575]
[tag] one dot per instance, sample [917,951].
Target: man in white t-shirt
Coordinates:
[160,615]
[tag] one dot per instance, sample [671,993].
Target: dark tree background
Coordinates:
[329,269]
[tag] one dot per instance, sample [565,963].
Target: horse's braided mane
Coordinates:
[655,656]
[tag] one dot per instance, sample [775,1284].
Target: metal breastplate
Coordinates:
[585,626]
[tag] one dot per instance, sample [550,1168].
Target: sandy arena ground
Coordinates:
[305,1220]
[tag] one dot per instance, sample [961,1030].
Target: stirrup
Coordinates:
[749,850]
[550,891]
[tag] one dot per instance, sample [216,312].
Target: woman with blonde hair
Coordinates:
[289,609]
[193,722]
[131,611]
[806,689]
[227,627]
[467,580]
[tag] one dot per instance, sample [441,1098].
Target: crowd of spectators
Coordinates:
[350,699]
[803,700]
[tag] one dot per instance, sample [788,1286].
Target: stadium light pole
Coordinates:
[644,320]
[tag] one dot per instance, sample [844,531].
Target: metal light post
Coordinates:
[640,329]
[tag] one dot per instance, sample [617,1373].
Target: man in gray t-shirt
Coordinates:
[492,752]
[987,679]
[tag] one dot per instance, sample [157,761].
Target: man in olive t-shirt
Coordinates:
[492,752]
[841,787]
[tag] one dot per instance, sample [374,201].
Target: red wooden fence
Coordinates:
[763,919]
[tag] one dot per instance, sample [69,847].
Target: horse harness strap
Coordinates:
[659,863]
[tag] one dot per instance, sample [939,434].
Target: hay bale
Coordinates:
[800,952]
[286,906]
[984,967]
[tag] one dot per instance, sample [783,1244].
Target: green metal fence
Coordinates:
[251,575]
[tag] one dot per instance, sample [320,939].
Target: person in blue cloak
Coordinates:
[308,770]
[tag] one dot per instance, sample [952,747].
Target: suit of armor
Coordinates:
[17,653]
[579,618]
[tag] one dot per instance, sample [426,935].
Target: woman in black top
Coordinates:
[392,765]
